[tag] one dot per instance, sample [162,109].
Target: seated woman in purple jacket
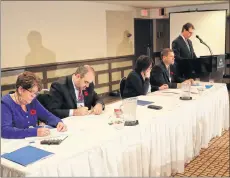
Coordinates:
[21,110]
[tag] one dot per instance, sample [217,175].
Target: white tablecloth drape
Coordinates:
[161,144]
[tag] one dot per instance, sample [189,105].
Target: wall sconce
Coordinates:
[127,34]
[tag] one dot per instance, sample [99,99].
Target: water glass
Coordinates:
[211,81]
[200,90]
[117,123]
[186,89]
[197,81]
[129,107]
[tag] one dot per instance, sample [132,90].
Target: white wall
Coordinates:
[70,30]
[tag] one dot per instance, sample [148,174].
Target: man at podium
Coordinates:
[182,45]
[183,49]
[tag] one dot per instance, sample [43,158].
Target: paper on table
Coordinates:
[173,91]
[53,134]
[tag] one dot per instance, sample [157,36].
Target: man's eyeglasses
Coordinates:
[190,32]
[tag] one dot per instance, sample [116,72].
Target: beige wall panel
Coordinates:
[49,84]
[8,80]
[102,90]
[121,64]
[100,67]
[61,72]
[103,78]
[39,74]
[126,72]
[116,87]
[116,76]
[12,79]
[7,92]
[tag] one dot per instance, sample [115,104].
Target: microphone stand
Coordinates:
[201,41]
[207,47]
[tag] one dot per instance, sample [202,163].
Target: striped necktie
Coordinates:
[80,96]
[186,41]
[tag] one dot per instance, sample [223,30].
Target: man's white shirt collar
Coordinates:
[182,37]
[75,89]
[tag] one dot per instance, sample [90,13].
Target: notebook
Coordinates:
[143,102]
[27,155]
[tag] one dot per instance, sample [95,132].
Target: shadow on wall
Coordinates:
[126,45]
[38,53]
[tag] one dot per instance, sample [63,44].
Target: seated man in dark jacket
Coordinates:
[74,95]
[137,82]
[166,72]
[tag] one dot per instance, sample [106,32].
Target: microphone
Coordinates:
[197,36]
[201,41]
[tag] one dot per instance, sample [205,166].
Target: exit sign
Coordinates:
[144,12]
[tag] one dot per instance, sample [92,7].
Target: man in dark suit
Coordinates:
[166,72]
[183,49]
[74,95]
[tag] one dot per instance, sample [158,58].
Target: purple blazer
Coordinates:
[16,123]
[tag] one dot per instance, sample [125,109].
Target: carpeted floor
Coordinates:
[212,161]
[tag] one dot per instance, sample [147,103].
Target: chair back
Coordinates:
[122,86]
[44,98]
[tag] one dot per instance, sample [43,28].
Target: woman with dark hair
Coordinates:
[137,82]
[21,109]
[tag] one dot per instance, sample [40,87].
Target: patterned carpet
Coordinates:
[212,161]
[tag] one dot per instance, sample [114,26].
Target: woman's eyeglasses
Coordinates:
[33,93]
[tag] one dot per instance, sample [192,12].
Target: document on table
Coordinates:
[53,134]
[172,91]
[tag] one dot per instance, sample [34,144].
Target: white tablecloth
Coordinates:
[160,145]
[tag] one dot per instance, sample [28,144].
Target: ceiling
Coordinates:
[161,4]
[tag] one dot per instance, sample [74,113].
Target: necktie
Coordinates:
[80,96]
[169,74]
[186,41]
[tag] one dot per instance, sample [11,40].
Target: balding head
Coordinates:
[90,69]
[83,76]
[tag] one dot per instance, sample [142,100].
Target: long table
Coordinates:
[160,145]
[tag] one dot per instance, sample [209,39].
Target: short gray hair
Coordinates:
[165,52]
[82,70]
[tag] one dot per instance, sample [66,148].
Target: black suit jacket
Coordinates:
[63,97]
[160,75]
[181,50]
[135,85]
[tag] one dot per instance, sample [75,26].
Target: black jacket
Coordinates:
[181,50]
[63,97]
[160,75]
[135,85]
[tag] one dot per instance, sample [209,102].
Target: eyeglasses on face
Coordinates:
[191,32]
[32,92]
